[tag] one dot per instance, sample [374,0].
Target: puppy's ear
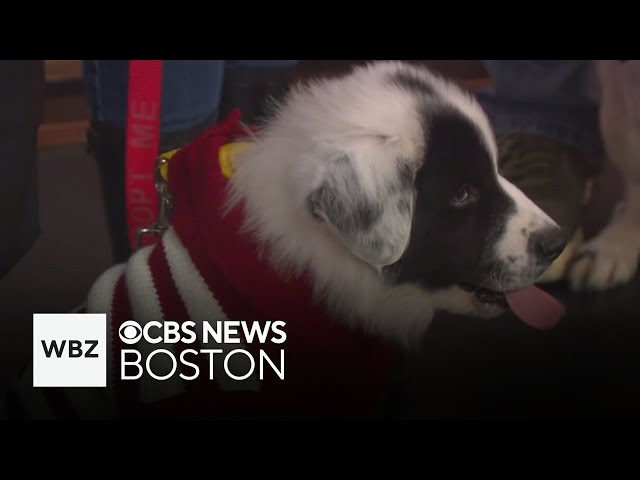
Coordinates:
[371,211]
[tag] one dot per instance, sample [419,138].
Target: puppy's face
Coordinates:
[470,226]
[440,217]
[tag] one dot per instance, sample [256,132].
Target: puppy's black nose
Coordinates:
[548,244]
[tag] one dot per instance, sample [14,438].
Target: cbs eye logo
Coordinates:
[130,332]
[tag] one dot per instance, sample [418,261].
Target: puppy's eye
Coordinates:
[467,195]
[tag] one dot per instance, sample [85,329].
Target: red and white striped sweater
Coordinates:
[205,269]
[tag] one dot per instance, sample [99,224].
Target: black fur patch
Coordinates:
[412,83]
[448,244]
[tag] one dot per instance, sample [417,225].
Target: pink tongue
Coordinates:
[535,307]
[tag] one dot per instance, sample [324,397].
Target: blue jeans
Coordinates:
[194,93]
[548,97]
[553,98]
[191,89]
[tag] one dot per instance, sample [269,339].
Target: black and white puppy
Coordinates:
[383,185]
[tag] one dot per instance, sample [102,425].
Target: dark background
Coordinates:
[588,366]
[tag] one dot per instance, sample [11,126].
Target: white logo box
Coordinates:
[75,359]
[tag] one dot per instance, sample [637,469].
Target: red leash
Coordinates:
[142,144]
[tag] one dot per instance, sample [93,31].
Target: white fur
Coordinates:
[374,123]
[611,258]
[526,220]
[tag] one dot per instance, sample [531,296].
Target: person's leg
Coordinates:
[545,116]
[21,104]
[195,94]
[554,98]
[190,98]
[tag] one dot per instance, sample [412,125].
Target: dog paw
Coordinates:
[609,260]
[455,300]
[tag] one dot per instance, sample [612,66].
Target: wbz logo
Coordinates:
[69,350]
[74,350]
